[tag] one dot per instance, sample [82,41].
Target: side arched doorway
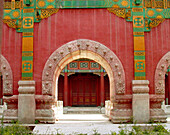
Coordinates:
[161,89]
[167,87]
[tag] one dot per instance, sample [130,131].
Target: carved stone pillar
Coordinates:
[140,101]
[26,102]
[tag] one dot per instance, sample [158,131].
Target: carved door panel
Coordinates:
[83,88]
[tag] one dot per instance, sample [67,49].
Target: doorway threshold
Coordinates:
[84,110]
[83,117]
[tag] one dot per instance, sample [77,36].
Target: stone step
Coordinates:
[83,117]
[84,110]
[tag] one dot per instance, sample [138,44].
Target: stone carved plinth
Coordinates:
[11,112]
[26,102]
[157,114]
[45,112]
[140,101]
[122,109]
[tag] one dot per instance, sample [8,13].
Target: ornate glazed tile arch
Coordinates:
[160,72]
[7,77]
[78,45]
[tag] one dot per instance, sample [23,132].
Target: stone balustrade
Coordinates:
[108,107]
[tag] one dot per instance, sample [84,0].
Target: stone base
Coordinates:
[118,116]
[140,101]
[49,120]
[141,112]
[158,115]
[122,109]
[26,102]
[10,115]
[45,109]
[26,108]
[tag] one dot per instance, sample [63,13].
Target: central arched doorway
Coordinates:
[83,49]
[88,84]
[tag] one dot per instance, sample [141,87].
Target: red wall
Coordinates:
[94,24]
[157,45]
[11,50]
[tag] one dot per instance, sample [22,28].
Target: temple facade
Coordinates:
[84,53]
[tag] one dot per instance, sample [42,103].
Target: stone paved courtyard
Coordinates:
[85,124]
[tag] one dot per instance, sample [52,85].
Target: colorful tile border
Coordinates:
[145,14]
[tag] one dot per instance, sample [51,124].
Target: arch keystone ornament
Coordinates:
[84,48]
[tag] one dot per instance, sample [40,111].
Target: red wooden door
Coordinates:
[83,89]
[61,88]
[107,87]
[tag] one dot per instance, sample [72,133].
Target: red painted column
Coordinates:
[66,89]
[102,88]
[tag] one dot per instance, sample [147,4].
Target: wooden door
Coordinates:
[61,88]
[83,89]
[107,87]
[1,90]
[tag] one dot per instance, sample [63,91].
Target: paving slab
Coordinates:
[84,127]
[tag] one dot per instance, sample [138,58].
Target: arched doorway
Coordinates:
[167,87]
[6,75]
[1,89]
[88,84]
[83,49]
[161,74]
[161,89]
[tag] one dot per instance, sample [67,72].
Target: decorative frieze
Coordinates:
[160,72]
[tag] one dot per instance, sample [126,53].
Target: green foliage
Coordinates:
[160,128]
[95,132]
[36,121]
[156,129]
[143,130]
[151,121]
[14,129]
[58,133]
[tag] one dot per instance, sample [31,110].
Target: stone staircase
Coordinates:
[84,110]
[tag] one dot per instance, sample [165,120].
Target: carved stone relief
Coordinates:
[160,72]
[7,77]
[80,45]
